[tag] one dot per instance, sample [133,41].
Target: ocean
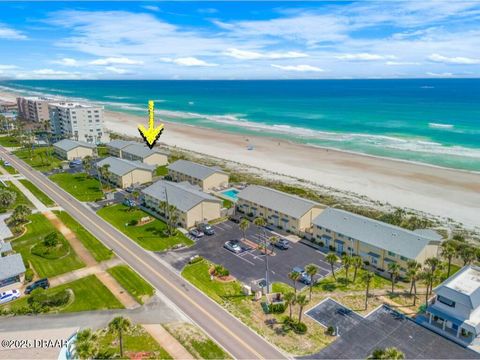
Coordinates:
[432,121]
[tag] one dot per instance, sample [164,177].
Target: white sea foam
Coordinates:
[441,126]
[117,97]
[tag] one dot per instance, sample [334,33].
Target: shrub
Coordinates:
[29,275]
[51,240]
[219,270]
[40,300]
[291,324]
[133,222]
[331,248]
[195,259]
[366,263]
[278,308]
[331,330]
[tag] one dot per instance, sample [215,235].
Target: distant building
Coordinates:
[134,151]
[70,149]
[125,173]
[196,174]
[455,310]
[77,121]
[33,108]
[285,211]
[377,242]
[192,205]
[8,106]
[12,271]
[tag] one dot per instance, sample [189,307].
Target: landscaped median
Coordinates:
[150,235]
[40,195]
[80,185]
[136,286]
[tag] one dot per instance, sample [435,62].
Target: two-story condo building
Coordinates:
[134,151]
[124,173]
[455,310]
[375,241]
[192,205]
[285,211]
[70,149]
[196,174]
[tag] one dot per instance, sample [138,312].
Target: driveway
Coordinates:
[249,265]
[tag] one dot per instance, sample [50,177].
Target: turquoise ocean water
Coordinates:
[433,121]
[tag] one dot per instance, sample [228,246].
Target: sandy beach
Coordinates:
[445,193]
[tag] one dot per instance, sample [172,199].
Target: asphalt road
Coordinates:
[240,341]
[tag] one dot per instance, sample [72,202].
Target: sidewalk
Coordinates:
[168,342]
[86,271]
[116,289]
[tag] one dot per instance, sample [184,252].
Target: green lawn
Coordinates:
[37,229]
[227,203]
[150,236]
[79,185]
[9,141]
[99,251]
[43,158]
[135,340]
[329,284]
[88,294]
[132,282]
[102,151]
[161,171]
[38,194]
[20,199]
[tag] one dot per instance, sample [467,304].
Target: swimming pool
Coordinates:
[231,194]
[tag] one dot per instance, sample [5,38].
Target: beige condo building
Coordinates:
[33,108]
[205,177]
[134,151]
[70,150]
[124,173]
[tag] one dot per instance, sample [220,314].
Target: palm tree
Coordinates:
[467,254]
[87,164]
[172,218]
[273,240]
[302,301]
[332,258]
[357,263]
[294,276]
[289,299]
[311,270]
[346,261]
[394,270]
[367,277]
[119,325]
[448,252]
[20,214]
[244,225]
[261,222]
[413,272]
[429,278]
[86,344]
[390,353]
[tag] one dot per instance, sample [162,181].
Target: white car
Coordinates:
[9,296]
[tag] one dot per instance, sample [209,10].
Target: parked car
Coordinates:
[207,229]
[129,202]
[196,233]
[75,163]
[282,244]
[233,246]
[43,283]
[9,296]
[304,277]
[130,189]
[6,163]
[236,218]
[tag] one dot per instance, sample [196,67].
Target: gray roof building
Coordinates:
[121,167]
[287,204]
[462,287]
[376,233]
[140,150]
[67,144]
[10,266]
[120,144]
[182,195]
[193,169]
[5,247]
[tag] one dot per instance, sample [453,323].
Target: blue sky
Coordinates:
[239,40]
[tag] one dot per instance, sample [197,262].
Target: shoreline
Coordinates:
[442,192]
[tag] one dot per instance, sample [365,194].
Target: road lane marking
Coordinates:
[160,276]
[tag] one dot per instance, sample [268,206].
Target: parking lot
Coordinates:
[249,265]
[383,328]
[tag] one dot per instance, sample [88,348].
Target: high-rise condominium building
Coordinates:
[77,121]
[33,108]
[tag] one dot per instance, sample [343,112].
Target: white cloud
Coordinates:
[300,68]
[401,63]
[151,7]
[364,57]
[188,61]
[9,33]
[207,11]
[444,74]
[116,70]
[116,60]
[8,67]
[66,62]
[254,55]
[453,60]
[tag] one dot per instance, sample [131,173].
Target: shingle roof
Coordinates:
[11,265]
[182,195]
[67,144]
[382,235]
[288,204]
[140,150]
[121,167]
[463,287]
[120,144]
[193,169]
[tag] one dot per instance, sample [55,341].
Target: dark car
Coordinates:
[304,277]
[42,283]
[282,244]
[236,218]
[207,229]
[75,163]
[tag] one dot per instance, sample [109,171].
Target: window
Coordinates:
[403,258]
[446,301]
[391,253]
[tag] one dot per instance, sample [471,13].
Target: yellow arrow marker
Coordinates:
[151,134]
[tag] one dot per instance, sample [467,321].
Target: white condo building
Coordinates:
[77,121]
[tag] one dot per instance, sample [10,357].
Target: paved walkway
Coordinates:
[116,289]
[167,341]
[83,272]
